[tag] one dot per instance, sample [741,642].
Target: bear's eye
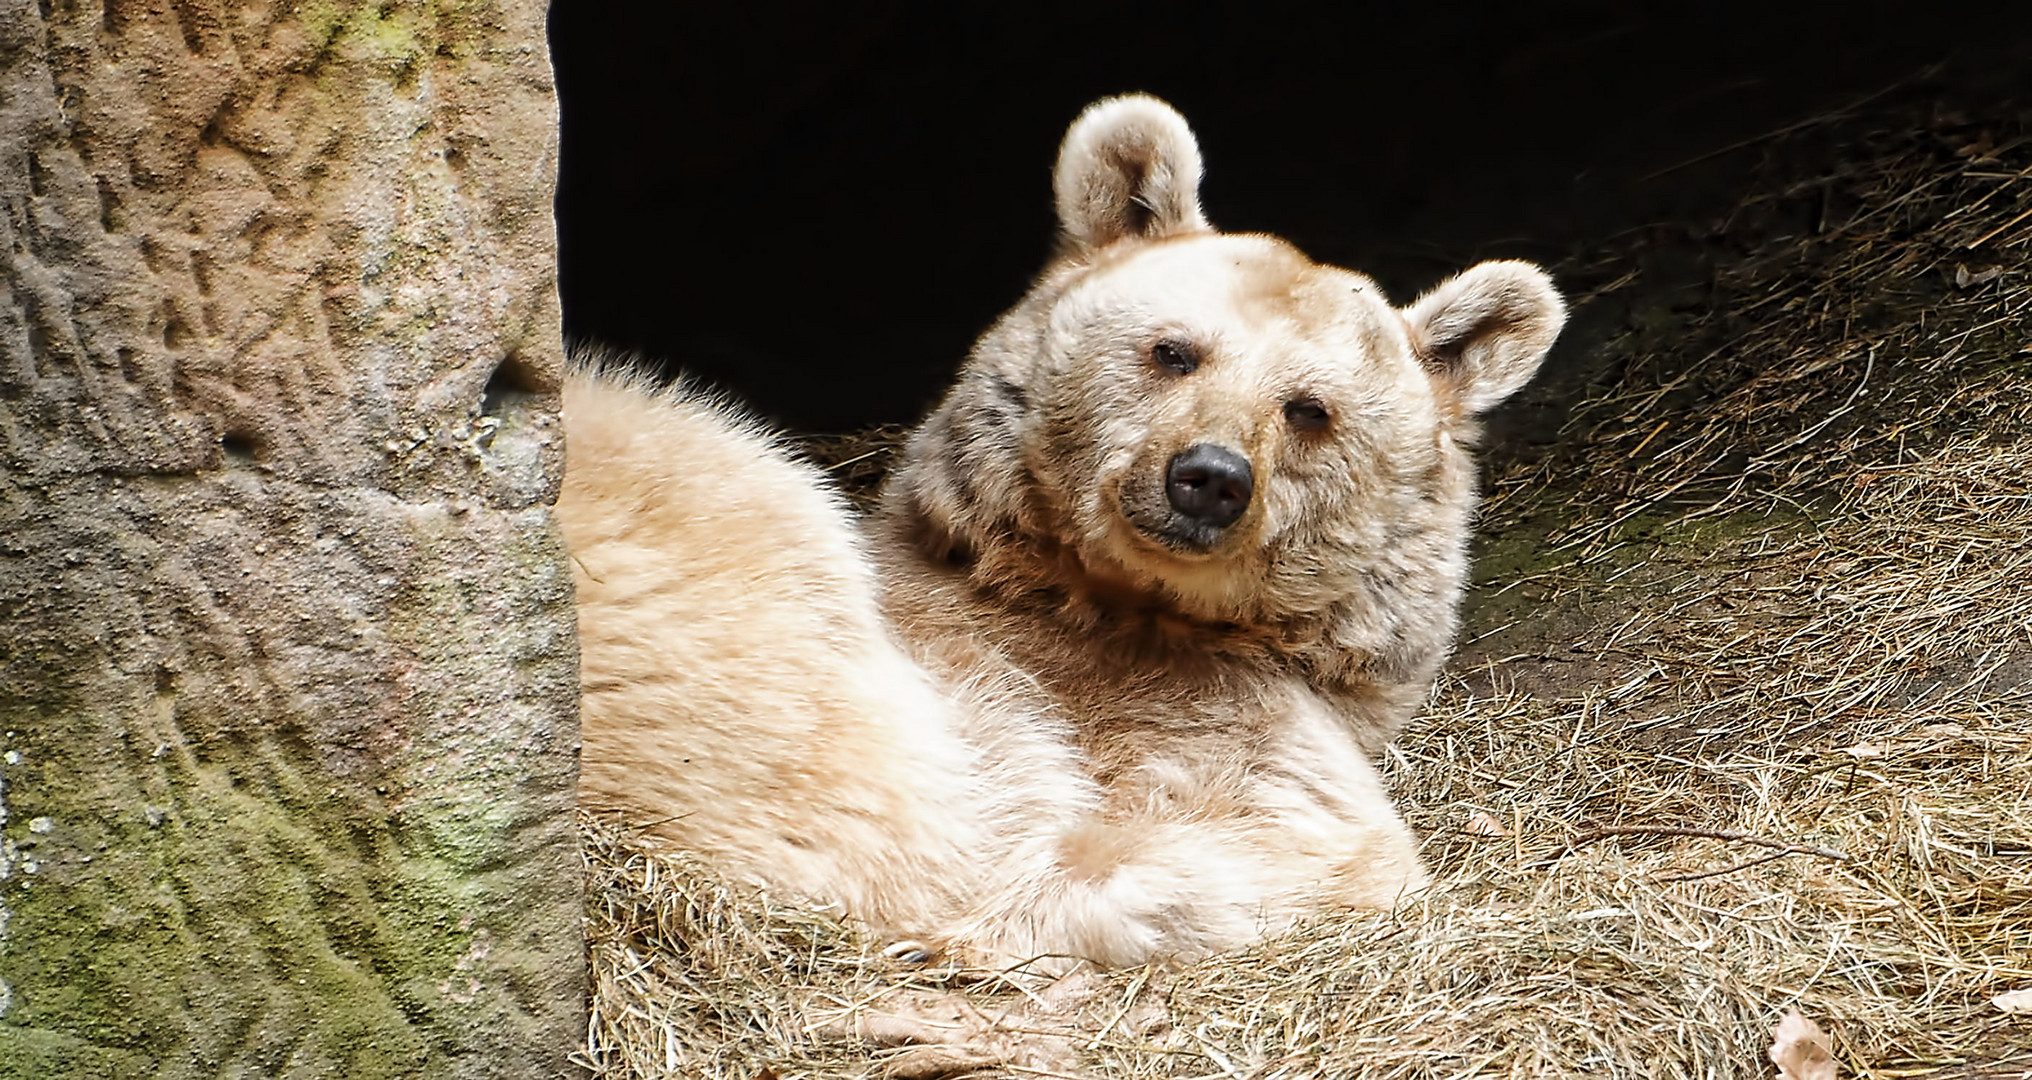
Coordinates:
[1306,414]
[1175,356]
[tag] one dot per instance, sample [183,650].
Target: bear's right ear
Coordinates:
[1129,168]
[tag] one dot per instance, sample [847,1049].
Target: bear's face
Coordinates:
[1210,407]
[1215,426]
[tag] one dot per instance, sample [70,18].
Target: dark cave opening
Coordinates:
[818,207]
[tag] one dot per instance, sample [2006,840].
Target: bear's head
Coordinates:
[1214,427]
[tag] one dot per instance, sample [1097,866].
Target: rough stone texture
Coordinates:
[287,663]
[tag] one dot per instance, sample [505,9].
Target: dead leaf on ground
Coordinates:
[2017,1001]
[1964,278]
[1483,823]
[930,1034]
[1799,1049]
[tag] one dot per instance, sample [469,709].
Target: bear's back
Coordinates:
[736,671]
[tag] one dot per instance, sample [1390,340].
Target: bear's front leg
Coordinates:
[1185,859]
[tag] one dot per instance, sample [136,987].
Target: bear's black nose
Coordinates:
[1210,484]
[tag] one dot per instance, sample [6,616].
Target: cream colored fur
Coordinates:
[738,682]
[1031,712]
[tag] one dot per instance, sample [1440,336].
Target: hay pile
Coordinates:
[1744,722]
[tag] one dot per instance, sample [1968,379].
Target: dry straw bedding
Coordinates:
[1774,750]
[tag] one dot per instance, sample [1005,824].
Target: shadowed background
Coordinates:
[820,206]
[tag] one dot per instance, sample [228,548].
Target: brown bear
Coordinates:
[1176,555]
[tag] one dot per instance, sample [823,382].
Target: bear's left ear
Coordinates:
[1483,332]
[1129,167]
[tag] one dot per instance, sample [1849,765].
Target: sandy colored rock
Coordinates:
[288,672]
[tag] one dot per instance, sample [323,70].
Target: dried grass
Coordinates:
[1780,759]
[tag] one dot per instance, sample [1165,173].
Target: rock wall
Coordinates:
[288,674]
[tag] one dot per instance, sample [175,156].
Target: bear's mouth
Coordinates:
[1151,516]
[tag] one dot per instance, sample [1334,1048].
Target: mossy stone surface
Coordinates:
[288,672]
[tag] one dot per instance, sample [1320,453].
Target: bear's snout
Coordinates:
[1209,484]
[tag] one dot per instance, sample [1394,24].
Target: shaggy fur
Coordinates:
[1062,715]
[737,678]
